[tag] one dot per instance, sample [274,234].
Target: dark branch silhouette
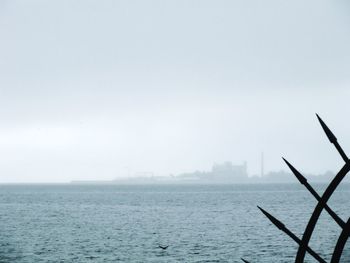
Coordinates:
[325,197]
[322,204]
[282,227]
[332,138]
[304,182]
[339,247]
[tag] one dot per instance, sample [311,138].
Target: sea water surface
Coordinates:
[199,223]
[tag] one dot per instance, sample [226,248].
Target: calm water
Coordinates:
[71,223]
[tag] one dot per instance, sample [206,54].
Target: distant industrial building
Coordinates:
[228,171]
[220,173]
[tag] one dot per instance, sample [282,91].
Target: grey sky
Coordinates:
[101,89]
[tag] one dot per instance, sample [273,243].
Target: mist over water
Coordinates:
[93,90]
[107,94]
[72,223]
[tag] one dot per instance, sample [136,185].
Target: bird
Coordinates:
[163,247]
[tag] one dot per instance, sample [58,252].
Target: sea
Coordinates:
[128,223]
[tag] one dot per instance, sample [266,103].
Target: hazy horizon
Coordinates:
[96,90]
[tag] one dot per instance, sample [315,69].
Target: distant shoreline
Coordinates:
[86,183]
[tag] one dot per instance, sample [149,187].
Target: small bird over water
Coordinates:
[163,247]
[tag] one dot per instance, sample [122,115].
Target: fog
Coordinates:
[97,90]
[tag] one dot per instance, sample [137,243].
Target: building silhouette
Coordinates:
[220,173]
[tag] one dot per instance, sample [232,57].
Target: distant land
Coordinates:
[224,173]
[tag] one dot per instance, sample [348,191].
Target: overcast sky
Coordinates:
[107,89]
